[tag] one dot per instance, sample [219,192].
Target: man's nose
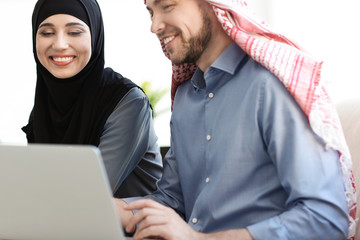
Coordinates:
[157,24]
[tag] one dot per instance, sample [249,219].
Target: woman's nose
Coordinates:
[60,43]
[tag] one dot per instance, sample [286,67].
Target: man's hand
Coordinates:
[156,220]
[125,215]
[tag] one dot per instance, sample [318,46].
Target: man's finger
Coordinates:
[140,216]
[143,203]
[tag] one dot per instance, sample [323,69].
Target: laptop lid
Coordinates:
[55,192]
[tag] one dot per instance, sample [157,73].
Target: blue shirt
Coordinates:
[243,156]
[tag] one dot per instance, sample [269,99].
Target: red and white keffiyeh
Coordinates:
[299,72]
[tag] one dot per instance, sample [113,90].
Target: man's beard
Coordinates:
[195,46]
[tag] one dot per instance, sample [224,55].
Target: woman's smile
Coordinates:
[62,60]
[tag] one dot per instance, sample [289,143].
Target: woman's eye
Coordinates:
[46,34]
[75,33]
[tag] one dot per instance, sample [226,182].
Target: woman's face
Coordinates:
[63,45]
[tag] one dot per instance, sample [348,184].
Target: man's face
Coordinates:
[183,27]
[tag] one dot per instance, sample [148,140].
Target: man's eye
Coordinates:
[168,7]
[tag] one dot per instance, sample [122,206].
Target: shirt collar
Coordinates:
[229,59]
[227,62]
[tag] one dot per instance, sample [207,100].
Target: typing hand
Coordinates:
[156,220]
[124,215]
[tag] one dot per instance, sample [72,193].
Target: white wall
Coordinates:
[17,68]
[329,30]
[326,28]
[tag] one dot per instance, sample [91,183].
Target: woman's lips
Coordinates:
[62,60]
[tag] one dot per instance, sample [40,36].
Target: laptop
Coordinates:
[55,192]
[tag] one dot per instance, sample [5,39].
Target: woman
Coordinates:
[77,101]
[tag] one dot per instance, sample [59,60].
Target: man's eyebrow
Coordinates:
[156,2]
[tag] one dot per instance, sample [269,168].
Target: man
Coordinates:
[244,162]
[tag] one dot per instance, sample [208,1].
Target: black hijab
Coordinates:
[74,110]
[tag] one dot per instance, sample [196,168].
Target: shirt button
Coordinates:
[194,220]
[208,137]
[211,95]
[207,180]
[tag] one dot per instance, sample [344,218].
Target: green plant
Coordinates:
[154,97]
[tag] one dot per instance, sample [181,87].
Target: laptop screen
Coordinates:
[55,192]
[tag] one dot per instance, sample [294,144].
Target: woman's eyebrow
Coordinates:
[46,25]
[74,24]
[67,25]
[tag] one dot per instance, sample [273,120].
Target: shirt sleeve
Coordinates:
[308,171]
[125,139]
[169,192]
